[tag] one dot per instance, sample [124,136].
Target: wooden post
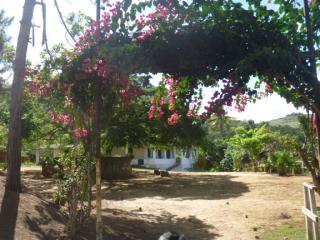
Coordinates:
[37,156]
[310,212]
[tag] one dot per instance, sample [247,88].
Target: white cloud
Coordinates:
[266,109]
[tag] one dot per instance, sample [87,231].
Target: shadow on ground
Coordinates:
[27,216]
[40,223]
[8,215]
[145,184]
[123,225]
[35,183]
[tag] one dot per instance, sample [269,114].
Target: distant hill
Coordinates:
[290,120]
[288,125]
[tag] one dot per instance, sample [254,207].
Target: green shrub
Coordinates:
[202,163]
[282,162]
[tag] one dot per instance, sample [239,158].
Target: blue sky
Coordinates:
[263,110]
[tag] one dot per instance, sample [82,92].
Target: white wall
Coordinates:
[162,163]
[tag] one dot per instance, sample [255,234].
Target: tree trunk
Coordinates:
[89,177]
[99,225]
[97,128]
[13,181]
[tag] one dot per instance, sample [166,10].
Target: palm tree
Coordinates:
[219,123]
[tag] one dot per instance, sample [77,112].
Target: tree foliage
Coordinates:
[6,50]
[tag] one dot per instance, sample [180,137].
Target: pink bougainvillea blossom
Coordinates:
[149,23]
[268,87]
[61,118]
[80,132]
[224,97]
[241,103]
[311,2]
[173,119]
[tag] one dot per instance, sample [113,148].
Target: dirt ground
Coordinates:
[203,206]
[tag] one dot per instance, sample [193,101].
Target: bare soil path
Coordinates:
[204,206]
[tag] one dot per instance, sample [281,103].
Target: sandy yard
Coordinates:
[229,206]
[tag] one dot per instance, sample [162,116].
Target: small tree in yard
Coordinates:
[67,81]
[251,141]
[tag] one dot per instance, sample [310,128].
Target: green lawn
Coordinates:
[285,232]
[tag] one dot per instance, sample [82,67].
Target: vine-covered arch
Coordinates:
[222,42]
[192,43]
[213,43]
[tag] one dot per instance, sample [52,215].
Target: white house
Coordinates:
[170,159]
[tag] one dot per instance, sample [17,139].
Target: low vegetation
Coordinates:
[285,232]
[232,145]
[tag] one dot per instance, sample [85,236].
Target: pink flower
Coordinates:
[171,99]
[151,115]
[311,2]
[152,108]
[80,132]
[173,119]
[190,114]
[268,87]
[160,112]
[65,118]
[161,103]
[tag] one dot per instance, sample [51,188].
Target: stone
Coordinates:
[172,236]
[164,174]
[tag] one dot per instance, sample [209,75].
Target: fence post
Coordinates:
[310,212]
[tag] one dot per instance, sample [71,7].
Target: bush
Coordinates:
[226,165]
[51,167]
[211,153]
[202,163]
[73,193]
[282,162]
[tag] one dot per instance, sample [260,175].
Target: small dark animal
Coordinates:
[172,236]
[164,174]
[156,172]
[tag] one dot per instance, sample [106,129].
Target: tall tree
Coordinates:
[97,137]
[13,181]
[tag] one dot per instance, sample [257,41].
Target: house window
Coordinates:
[140,161]
[150,153]
[159,154]
[168,154]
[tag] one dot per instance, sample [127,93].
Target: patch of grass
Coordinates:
[28,163]
[285,232]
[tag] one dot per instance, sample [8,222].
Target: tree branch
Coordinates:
[62,20]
